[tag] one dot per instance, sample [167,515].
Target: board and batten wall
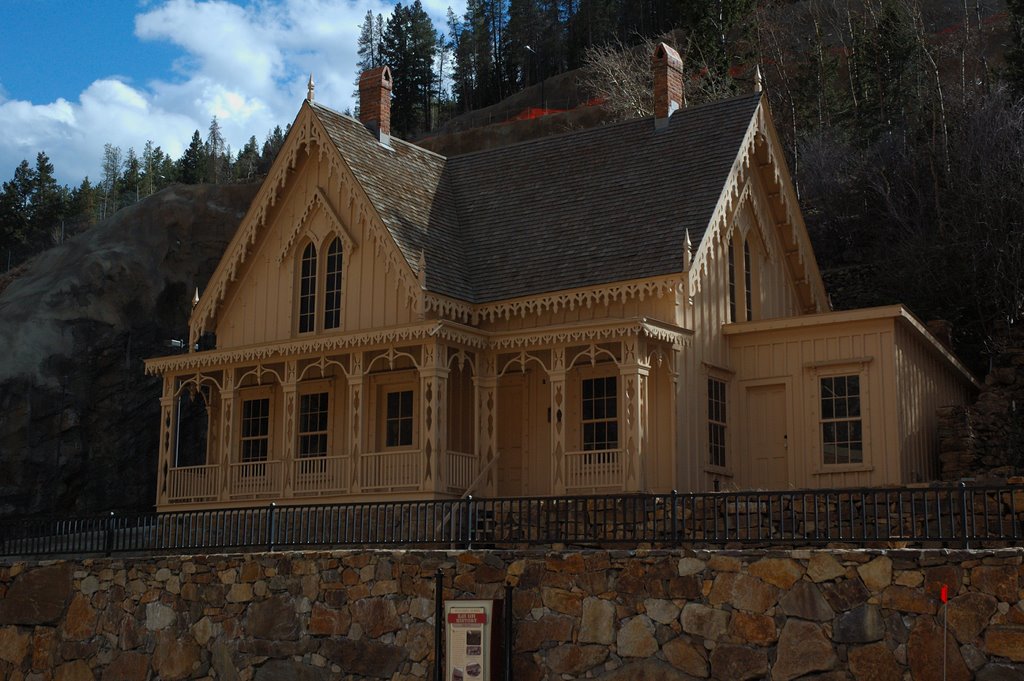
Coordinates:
[262,306]
[902,382]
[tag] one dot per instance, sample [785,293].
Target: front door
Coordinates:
[510,436]
[767,439]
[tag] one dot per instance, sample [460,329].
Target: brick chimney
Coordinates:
[375,102]
[667,68]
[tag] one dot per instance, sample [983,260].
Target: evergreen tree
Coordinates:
[15,204]
[218,157]
[192,166]
[409,47]
[368,46]
[248,162]
[131,179]
[272,145]
[111,174]
[48,204]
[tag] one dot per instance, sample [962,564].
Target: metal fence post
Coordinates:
[438,621]
[469,521]
[108,540]
[270,526]
[675,495]
[507,652]
[963,514]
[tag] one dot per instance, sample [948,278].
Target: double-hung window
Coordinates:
[600,413]
[255,438]
[313,424]
[716,422]
[398,420]
[842,440]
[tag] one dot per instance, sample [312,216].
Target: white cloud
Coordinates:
[245,63]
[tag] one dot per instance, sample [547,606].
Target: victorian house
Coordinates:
[635,307]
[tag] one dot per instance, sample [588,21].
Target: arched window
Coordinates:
[748,293]
[332,286]
[732,282]
[307,290]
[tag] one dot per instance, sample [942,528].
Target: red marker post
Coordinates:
[944,595]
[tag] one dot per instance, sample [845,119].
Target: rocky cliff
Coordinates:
[78,417]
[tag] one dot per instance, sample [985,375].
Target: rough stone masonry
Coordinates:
[835,615]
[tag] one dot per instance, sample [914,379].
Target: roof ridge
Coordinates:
[403,142]
[682,113]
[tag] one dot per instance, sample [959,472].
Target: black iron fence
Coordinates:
[938,516]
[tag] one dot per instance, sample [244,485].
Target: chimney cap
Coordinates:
[380,76]
[664,54]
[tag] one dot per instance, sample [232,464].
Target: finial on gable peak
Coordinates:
[195,297]
[758,79]
[310,87]
[687,252]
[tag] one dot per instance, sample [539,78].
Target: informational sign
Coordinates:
[469,640]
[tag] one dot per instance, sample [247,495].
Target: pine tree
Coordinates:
[192,165]
[48,204]
[409,47]
[111,173]
[248,162]
[131,179]
[217,156]
[272,145]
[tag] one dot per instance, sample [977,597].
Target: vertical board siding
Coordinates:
[799,357]
[925,382]
[260,305]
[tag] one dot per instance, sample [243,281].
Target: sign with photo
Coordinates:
[468,632]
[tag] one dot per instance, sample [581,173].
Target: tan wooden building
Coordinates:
[635,307]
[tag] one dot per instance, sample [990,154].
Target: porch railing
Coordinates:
[926,517]
[193,483]
[460,470]
[593,470]
[320,474]
[256,480]
[380,471]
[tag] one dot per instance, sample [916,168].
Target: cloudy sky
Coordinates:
[75,74]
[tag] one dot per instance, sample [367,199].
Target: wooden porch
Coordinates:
[425,420]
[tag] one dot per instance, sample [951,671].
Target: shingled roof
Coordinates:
[579,209]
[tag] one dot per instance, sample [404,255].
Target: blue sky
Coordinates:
[75,74]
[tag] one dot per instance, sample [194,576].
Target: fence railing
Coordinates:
[948,516]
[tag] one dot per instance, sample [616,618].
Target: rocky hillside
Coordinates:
[78,417]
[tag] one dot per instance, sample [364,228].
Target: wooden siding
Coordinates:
[925,381]
[261,305]
[798,358]
[774,296]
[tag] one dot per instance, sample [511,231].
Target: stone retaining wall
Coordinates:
[614,615]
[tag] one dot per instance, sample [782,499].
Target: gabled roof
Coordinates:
[579,209]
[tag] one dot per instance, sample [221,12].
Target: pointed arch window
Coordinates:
[748,292]
[332,285]
[732,282]
[307,290]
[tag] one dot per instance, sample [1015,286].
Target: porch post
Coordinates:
[433,417]
[228,395]
[356,436]
[485,385]
[291,415]
[634,372]
[168,425]
[556,376]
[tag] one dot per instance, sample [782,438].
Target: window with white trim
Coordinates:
[716,422]
[842,440]
[600,413]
